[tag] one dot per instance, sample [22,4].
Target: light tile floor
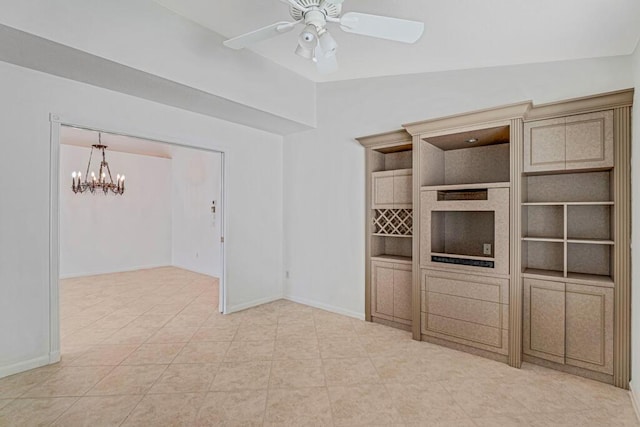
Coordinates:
[148,348]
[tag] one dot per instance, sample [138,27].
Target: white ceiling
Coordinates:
[124,144]
[459,34]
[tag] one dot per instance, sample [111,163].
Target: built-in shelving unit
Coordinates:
[567,226]
[464,176]
[389,228]
[505,232]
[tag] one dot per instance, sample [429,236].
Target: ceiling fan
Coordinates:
[315,42]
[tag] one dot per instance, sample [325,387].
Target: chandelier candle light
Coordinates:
[100,182]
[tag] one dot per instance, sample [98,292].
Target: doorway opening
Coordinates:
[124,266]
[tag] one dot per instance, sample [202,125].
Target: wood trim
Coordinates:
[605,101]
[417,279]
[395,137]
[479,117]
[465,348]
[391,323]
[515,286]
[54,239]
[622,248]
[367,233]
[570,369]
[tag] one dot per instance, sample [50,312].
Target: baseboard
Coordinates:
[97,273]
[325,307]
[251,304]
[635,400]
[54,357]
[26,365]
[182,267]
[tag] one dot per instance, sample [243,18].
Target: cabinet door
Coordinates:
[402,191]
[402,290]
[544,145]
[544,319]
[589,327]
[589,140]
[382,290]
[382,188]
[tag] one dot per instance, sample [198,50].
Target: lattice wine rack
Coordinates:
[393,222]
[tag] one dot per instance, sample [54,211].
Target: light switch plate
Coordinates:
[486,248]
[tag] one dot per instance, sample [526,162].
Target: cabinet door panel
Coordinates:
[589,327]
[382,189]
[589,140]
[382,290]
[402,291]
[544,145]
[544,319]
[402,191]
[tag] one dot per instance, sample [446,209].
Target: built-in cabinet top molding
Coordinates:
[498,116]
[387,139]
[474,120]
[587,104]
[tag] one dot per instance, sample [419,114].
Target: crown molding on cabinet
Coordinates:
[587,104]
[461,122]
[386,139]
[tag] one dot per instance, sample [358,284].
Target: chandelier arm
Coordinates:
[109,170]
[86,177]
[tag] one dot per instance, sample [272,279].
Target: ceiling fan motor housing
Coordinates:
[319,11]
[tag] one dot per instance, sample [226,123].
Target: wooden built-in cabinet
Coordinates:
[569,323]
[392,189]
[583,141]
[391,291]
[520,248]
[466,309]
[389,229]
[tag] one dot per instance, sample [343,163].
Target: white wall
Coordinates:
[254,160]
[105,234]
[144,35]
[635,232]
[196,230]
[324,168]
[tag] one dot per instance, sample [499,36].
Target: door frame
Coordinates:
[56,122]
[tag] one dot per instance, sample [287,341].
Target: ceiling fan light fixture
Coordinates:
[328,44]
[308,38]
[304,52]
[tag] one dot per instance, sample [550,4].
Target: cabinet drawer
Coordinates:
[466,330]
[465,285]
[466,309]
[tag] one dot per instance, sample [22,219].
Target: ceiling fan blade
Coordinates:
[265,33]
[325,63]
[382,27]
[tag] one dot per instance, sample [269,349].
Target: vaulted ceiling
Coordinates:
[459,34]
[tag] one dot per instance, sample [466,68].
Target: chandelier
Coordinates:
[99,183]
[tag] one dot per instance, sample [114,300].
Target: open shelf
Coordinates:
[567,227]
[568,188]
[393,258]
[470,157]
[591,241]
[392,158]
[543,239]
[394,246]
[465,186]
[568,204]
[392,235]
[558,276]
